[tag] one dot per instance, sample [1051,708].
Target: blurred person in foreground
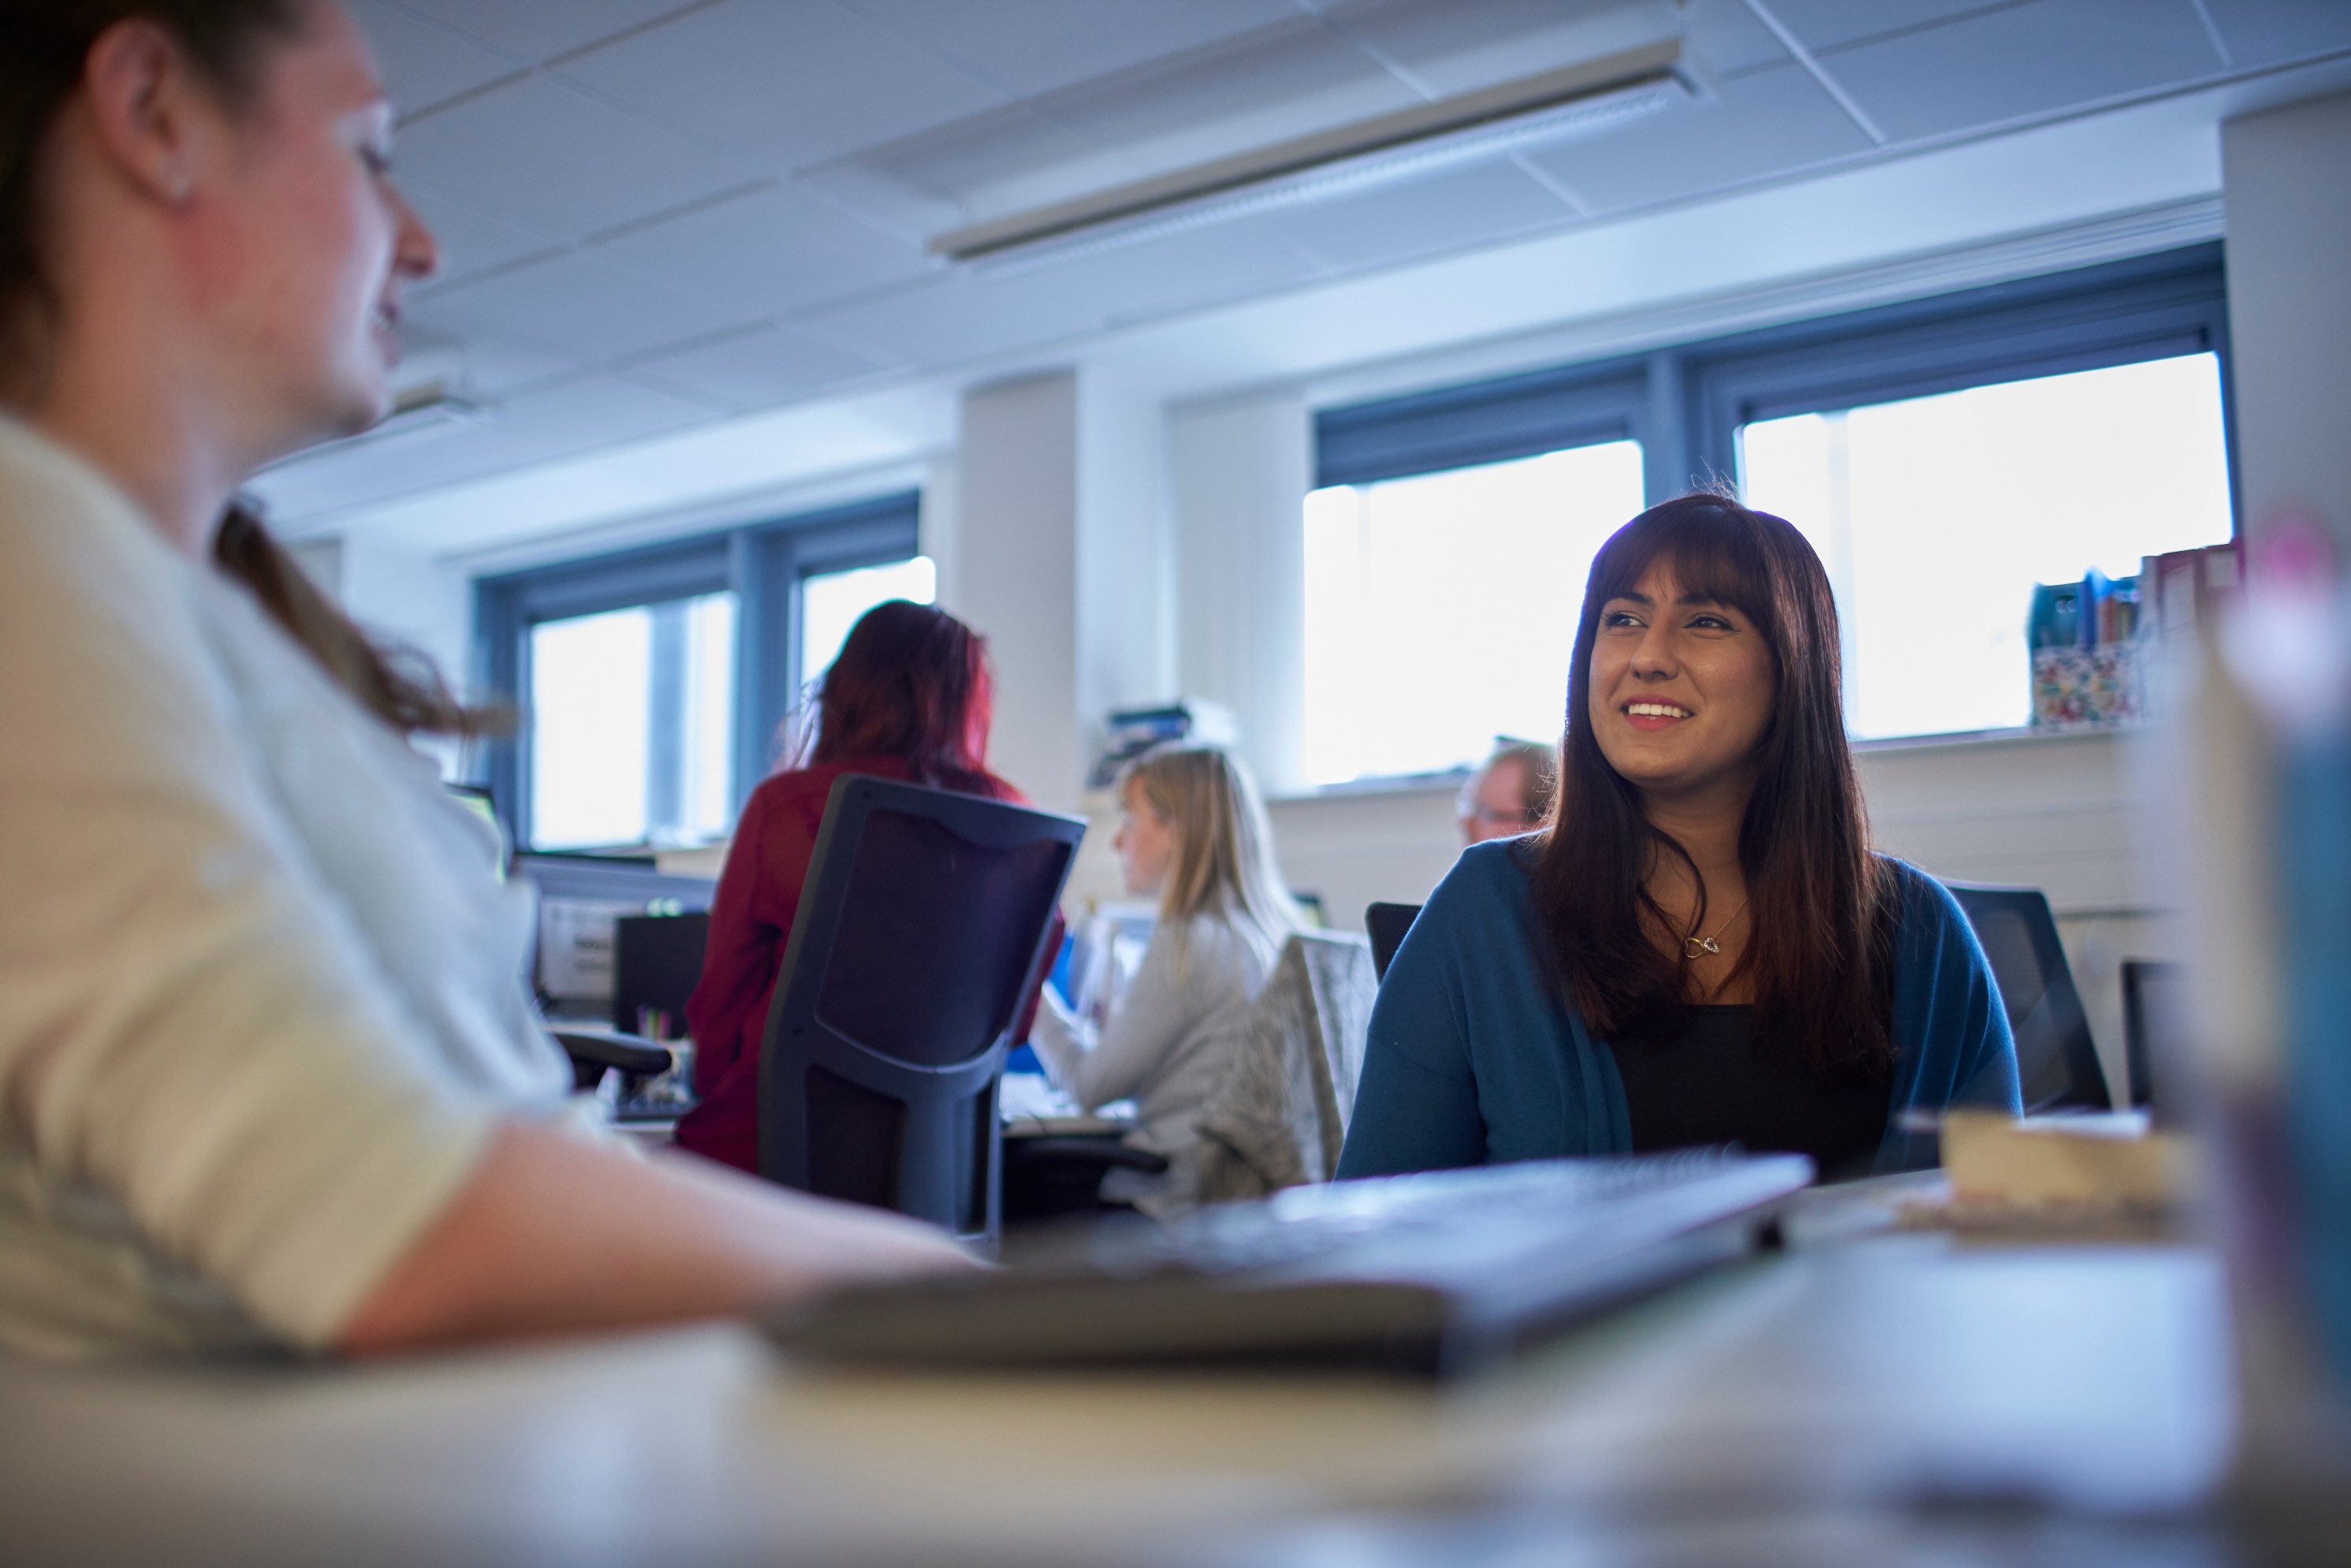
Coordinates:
[270,1075]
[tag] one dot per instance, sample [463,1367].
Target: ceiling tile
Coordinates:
[2023,60]
[1450,48]
[2264,32]
[578,306]
[962,316]
[478,364]
[424,64]
[471,240]
[1725,36]
[758,370]
[556,160]
[1452,210]
[536,30]
[600,411]
[390,466]
[1762,123]
[1028,47]
[946,319]
[1233,100]
[495,368]
[1830,24]
[770,253]
[789,82]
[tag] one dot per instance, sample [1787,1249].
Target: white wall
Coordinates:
[2288,182]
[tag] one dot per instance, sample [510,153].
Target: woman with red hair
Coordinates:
[910,697]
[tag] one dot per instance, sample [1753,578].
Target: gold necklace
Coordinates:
[1699,947]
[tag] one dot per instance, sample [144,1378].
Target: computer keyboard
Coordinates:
[1426,1273]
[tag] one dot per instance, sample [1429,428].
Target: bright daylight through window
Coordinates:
[1439,608]
[1936,515]
[631,725]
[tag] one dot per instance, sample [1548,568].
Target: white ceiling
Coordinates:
[664,218]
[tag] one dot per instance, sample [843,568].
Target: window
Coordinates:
[1942,454]
[1936,515]
[656,684]
[1434,606]
[631,725]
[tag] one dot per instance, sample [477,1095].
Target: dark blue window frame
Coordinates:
[764,564]
[1686,404]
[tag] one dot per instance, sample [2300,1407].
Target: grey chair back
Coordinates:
[1280,1117]
[921,930]
[2056,1061]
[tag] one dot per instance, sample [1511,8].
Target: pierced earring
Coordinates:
[176,183]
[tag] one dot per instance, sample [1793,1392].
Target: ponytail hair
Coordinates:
[396,683]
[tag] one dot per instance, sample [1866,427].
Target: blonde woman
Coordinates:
[1193,833]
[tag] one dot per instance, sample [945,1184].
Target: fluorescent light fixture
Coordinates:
[1577,101]
[419,410]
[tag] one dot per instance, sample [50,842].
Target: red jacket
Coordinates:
[750,921]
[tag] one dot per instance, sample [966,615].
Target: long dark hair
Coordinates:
[227,41]
[1819,948]
[911,682]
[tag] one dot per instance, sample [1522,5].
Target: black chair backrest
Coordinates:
[2056,1061]
[657,963]
[920,933]
[2152,1004]
[1385,925]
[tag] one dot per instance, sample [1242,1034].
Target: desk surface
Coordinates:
[1810,1392]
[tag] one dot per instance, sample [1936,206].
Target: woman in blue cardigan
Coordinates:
[1702,947]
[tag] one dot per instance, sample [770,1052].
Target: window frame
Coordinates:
[763,563]
[1686,403]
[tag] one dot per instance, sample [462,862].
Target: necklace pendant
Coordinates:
[1699,947]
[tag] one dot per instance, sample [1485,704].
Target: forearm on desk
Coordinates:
[554,1235]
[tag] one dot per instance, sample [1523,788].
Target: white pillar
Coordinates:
[1241,470]
[2289,248]
[1016,529]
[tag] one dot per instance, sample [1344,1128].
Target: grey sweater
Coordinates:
[1167,1043]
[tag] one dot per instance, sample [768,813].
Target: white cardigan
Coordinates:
[261,996]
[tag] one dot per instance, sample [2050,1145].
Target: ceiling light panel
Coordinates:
[1580,100]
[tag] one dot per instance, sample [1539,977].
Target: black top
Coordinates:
[1712,1085]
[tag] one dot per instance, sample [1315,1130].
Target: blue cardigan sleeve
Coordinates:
[1951,1038]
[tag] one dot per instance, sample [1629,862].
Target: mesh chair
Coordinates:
[2056,1062]
[921,929]
[1385,925]
[2154,1001]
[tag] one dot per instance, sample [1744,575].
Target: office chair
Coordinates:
[2056,1062]
[2152,1003]
[922,928]
[1385,924]
[656,963]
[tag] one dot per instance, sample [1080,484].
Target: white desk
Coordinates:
[1795,1399]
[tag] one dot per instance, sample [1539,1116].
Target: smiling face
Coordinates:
[1682,690]
[301,242]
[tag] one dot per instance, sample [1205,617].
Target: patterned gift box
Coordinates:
[2087,688]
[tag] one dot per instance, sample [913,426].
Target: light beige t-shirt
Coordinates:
[261,996]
